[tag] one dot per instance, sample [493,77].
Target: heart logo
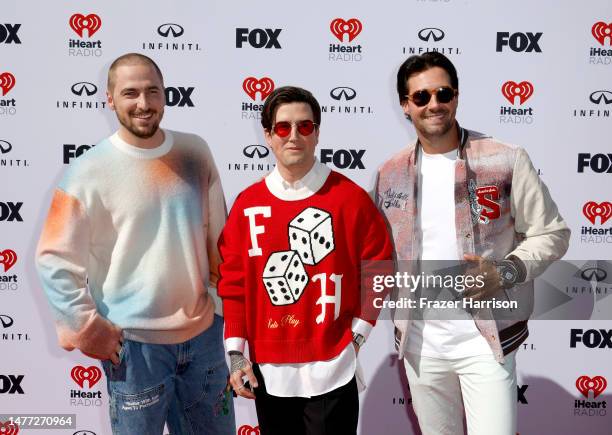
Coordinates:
[598,385]
[80,22]
[591,210]
[523,90]
[264,86]
[248,430]
[81,374]
[601,31]
[8,258]
[7,81]
[351,27]
[8,428]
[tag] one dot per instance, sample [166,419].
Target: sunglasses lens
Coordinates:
[305,128]
[445,95]
[283,129]
[421,98]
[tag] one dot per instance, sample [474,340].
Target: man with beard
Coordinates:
[126,254]
[457,195]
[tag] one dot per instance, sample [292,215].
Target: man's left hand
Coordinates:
[485,268]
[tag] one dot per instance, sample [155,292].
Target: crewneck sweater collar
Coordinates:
[143,153]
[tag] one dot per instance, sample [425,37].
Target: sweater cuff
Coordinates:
[362,327]
[520,267]
[233,328]
[235,344]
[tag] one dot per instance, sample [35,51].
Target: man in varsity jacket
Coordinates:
[290,279]
[125,257]
[462,196]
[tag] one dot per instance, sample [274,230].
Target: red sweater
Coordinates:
[290,276]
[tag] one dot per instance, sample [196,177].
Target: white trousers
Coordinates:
[442,388]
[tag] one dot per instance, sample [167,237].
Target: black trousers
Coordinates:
[333,413]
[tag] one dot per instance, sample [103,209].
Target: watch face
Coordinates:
[508,274]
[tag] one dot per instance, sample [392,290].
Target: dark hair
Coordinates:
[285,95]
[130,59]
[419,63]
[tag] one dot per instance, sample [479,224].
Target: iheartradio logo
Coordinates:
[601,31]
[264,86]
[248,430]
[598,385]
[7,82]
[351,27]
[9,428]
[80,374]
[592,210]
[8,258]
[523,90]
[91,22]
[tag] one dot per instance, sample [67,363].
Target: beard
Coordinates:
[436,130]
[142,132]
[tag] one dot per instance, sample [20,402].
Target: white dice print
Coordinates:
[284,277]
[311,234]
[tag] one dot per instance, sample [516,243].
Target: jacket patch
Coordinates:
[482,203]
[394,199]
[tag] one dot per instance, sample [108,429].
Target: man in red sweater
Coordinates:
[292,254]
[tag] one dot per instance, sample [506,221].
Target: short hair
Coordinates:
[285,95]
[419,63]
[131,59]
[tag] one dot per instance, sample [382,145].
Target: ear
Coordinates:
[109,100]
[268,137]
[406,107]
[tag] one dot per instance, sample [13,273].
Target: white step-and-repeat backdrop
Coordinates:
[537,74]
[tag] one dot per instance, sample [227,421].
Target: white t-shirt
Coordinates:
[446,339]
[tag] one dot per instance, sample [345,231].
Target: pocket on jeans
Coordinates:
[138,401]
[117,373]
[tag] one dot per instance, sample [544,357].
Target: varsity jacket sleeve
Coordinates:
[217,214]
[376,256]
[544,235]
[61,260]
[232,278]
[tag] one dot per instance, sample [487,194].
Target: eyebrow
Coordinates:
[149,88]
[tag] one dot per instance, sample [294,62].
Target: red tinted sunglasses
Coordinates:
[443,94]
[283,128]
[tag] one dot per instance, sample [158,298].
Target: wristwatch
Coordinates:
[508,273]
[358,339]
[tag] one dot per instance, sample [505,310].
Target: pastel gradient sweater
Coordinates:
[131,237]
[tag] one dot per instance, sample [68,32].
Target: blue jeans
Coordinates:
[183,385]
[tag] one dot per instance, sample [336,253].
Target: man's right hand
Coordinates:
[102,340]
[242,367]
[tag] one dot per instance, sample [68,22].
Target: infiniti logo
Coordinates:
[431,32]
[84,432]
[251,150]
[597,96]
[594,273]
[84,87]
[175,30]
[6,321]
[5,146]
[343,92]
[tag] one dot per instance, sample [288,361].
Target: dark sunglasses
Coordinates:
[443,94]
[283,128]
